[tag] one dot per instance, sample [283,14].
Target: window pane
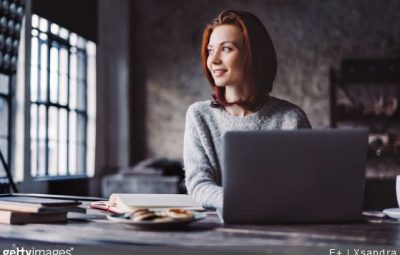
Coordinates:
[72,143]
[53,158]
[53,123]
[53,87]
[81,159]
[35,33]
[34,51]
[62,153]
[34,135]
[54,58]
[35,21]
[34,116]
[73,64]
[81,65]
[81,42]
[3,116]
[73,39]
[34,159]
[72,93]
[43,24]
[42,159]
[72,158]
[81,128]
[43,72]
[62,128]
[81,95]
[64,33]
[34,83]
[63,89]
[72,127]
[3,84]
[53,140]
[54,75]
[43,37]
[42,122]
[63,60]
[63,76]
[34,68]
[54,28]
[3,148]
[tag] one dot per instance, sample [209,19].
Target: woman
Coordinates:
[239,61]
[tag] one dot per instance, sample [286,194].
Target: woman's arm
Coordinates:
[200,176]
[294,118]
[303,121]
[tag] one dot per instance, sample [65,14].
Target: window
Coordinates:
[5,110]
[62,102]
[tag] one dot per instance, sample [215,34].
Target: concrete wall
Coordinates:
[113,132]
[310,36]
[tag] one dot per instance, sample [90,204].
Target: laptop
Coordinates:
[297,176]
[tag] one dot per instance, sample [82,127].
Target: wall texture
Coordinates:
[310,36]
[112,120]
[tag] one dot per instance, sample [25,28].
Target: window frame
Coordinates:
[7,97]
[79,109]
[74,184]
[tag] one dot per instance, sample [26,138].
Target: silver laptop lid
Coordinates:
[294,176]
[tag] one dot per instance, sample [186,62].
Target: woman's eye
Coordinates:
[226,49]
[210,51]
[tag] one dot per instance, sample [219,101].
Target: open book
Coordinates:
[129,202]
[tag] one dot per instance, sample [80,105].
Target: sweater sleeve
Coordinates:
[303,121]
[200,176]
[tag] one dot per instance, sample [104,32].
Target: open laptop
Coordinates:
[298,176]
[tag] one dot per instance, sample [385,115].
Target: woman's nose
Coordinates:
[216,58]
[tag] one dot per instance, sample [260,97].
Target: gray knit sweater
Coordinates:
[202,146]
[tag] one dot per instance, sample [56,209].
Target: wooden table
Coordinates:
[95,235]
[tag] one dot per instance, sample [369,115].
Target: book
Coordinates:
[21,198]
[38,208]
[10,217]
[28,204]
[129,202]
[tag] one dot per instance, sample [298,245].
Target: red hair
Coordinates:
[260,59]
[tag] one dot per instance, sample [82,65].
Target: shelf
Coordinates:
[382,168]
[366,117]
[369,70]
[367,74]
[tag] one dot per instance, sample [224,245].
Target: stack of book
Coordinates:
[20,209]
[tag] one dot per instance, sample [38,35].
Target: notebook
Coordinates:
[119,203]
[299,176]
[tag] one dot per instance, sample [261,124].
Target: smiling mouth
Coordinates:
[218,72]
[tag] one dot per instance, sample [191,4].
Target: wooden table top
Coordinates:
[95,229]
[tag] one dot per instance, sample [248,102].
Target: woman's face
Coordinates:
[226,55]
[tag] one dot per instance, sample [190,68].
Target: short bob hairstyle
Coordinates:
[261,62]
